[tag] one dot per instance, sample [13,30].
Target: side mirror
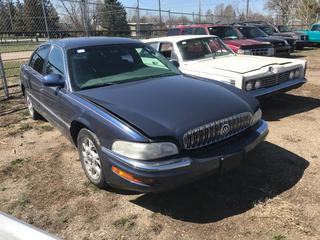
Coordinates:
[53,80]
[175,63]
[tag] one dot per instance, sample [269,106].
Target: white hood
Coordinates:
[239,64]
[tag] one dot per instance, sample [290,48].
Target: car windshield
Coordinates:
[283,29]
[267,29]
[200,48]
[97,66]
[225,32]
[252,32]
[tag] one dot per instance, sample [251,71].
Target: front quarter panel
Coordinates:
[105,125]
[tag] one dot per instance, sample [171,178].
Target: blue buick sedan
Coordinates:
[137,122]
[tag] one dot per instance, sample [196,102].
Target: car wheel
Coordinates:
[33,113]
[89,152]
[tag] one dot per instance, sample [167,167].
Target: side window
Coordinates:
[229,32]
[166,49]
[173,32]
[315,28]
[38,58]
[199,31]
[187,31]
[55,62]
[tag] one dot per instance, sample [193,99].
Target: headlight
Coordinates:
[296,37]
[144,151]
[246,52]
[297,73]
[291,75]
[256,117]
[257,84]
[249,86]
[271,52]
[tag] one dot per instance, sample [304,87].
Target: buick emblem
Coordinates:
[225,129]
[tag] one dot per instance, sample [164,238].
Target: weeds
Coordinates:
[125,222]
[279,237]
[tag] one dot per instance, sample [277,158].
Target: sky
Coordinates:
[193,5]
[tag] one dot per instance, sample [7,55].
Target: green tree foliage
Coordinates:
[113,17]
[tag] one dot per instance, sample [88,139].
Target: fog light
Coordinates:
[291,75]
[249,86]
[257,84]
[297,74]
[130,177]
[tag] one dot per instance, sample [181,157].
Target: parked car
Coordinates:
[137,122]
[281,46]
[209,57]
[314,33]
[270,31]
[229,37]
[302,39]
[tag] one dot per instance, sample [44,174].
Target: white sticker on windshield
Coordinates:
[184,43]
[81,51]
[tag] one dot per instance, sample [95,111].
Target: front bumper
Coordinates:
[282,50]
[305,43]
[187,167]
[282,87]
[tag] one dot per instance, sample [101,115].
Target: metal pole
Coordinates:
[169,14]
[45,19]
[160,18]
[247,13]
[138,20]
[83,14]
[10,15]
[199,11]
[4,79]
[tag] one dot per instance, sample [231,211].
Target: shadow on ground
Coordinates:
[284,105]
[269,171]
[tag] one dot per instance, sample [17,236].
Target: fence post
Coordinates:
[45,18]
[83,9]
[138,20]
[4,79]
[192,17]
[169,14]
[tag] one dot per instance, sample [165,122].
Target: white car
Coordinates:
[208,57]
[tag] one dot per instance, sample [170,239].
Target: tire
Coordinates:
[89,150]
[32,112]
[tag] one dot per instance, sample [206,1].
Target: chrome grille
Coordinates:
[260,51]
[216,131]
[274,79]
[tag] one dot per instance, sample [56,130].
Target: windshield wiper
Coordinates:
[97,86]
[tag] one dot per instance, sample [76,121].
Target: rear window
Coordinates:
[187,31]
[199,31]
[223,32]
[173,32]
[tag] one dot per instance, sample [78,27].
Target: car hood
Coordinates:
[240,64]
[170,106]
[270,39]
[243,42]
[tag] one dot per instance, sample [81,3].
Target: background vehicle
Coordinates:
[271,31]
[208,57]
[125,106]
[229,37]
[314,33]
[281,46]
[302,39]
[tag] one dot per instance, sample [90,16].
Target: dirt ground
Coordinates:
[275,196]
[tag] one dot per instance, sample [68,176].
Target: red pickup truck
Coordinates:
[240,46]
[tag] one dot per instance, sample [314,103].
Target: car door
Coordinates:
[52,97]
[34,75]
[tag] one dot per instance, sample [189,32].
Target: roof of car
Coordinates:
[177,38]
[202,25]
[69,43]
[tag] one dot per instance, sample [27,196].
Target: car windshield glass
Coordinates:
[283,29]
[199,48]
[98,66]
[252,32]
[225,32]
[267,29]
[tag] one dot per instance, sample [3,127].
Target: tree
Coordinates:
[35,19]
[225,14]
[113,17]
[284,8]
[19,19]
[5,21]
[307,12]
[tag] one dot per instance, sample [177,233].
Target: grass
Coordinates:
[18,47]
[46,128]
[17,162]
[279,237]
[12,68]
[22,128]
[125,222]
